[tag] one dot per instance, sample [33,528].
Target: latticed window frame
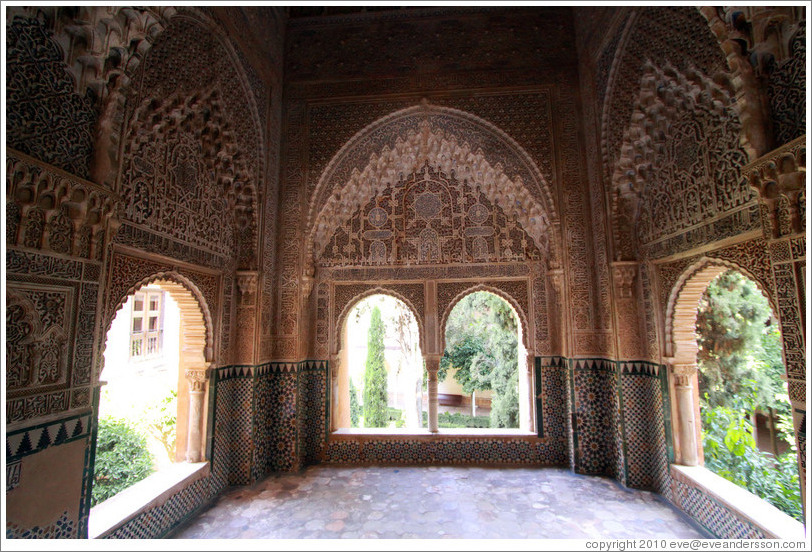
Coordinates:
[147,342]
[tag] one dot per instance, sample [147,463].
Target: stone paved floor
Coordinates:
[437,502]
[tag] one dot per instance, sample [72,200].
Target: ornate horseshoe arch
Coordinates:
[681,312]
[446,139]
[341,319]
[181,289]
[524,327]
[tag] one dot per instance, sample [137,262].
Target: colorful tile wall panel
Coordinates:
[594,397]
[551,414]
[710,513]
[312,410]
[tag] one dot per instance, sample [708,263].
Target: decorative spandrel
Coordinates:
[430,217]
[169,188]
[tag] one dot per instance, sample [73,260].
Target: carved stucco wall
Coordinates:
[683,115]
[541,119]
[64,280]
[199,117]
[193,165]
[45,117]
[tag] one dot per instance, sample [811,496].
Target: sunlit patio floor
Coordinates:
[437,502]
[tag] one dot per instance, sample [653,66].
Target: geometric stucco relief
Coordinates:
[428,217]
[452,150]
[664,183]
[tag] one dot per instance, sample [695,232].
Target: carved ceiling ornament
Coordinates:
[406,141]
[102,43]
[781,173]
[674,113]
[203,144]
[102,48]
[47,209]
[756,40]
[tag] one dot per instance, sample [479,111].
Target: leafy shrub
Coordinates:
[730,451]
[160,420]
[395,415]
[122,459]
[458,420]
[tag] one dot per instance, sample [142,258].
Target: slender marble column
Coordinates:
[198,380]
[683,384]
[334,405]
[432,366]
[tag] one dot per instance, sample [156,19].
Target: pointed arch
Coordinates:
[341,319]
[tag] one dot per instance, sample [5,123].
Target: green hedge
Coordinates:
[458,420]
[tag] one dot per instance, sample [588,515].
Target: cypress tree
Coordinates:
[375,393]
[355,408]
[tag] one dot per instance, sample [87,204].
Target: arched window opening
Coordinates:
[479,375]
[746,418]
[381,373]
[152,399]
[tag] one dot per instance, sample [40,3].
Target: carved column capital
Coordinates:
[623,276]
[683,374]
[197,377]
[247,284]
[531,362]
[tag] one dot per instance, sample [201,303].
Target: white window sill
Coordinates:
[442,432]
[148,493]
[770,520]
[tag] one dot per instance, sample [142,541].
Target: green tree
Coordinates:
[472,363]
[375,392]
[738,341]
[355,407]
[122,459]
[740,369]
[482,345]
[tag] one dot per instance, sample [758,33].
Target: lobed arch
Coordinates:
[447,139]
[194,311]
[522,317]
[683,302]
[341,319]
